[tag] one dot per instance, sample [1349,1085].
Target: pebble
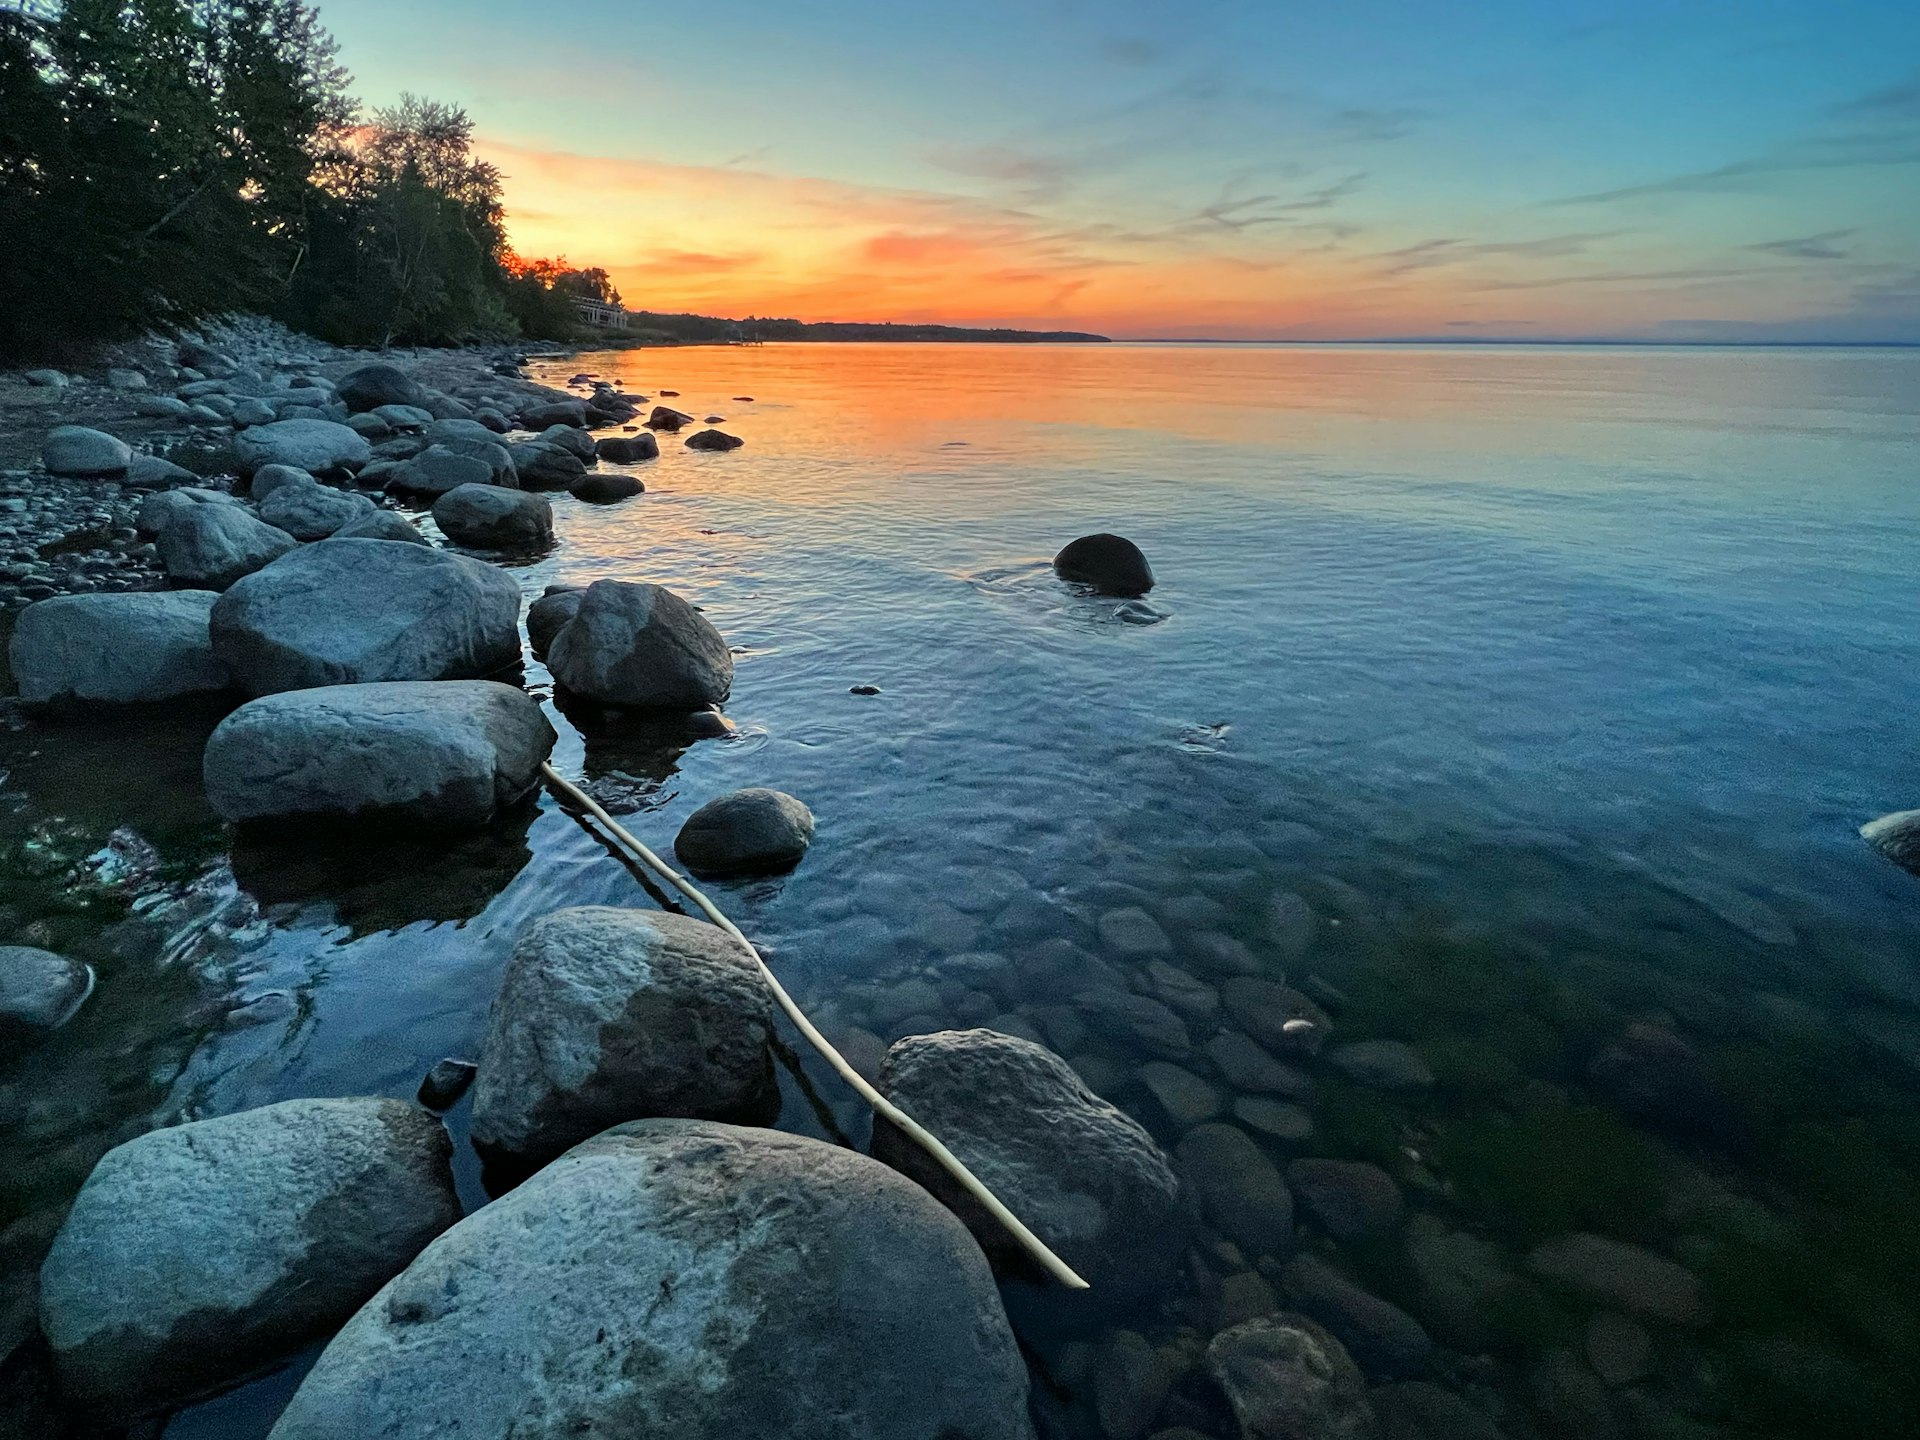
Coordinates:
[1184,1097]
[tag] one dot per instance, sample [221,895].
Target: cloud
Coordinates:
[1045,174]
[1130,50]
[1823,246]
[1449,251]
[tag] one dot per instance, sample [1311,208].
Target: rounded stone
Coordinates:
[1349,1198]
[371,386]
[627,449]
[750,832]
[713,440]
[606,488]
[641,646]
[79,450]
[1106,563]
[310,445]
[39,991]
[552,610]
[492,517]
[312,511]
[1287,1378]
[126,649]
[1240,1190]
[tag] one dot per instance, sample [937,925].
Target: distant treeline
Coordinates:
[692,329]
[165,160]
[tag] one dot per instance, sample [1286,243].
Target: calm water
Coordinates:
[1554,681]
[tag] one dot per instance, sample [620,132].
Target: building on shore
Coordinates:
[602,314]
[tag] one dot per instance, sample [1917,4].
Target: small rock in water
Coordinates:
[1239,1189]
[39,991]
[714,440]
[863,689]
[627,450]
[742,399]
[642,647]
[1349,1198]
[674,393]
[1110,564]
[446,1082]
[714,420]
[1287,1378]
[1138,612]
[606,488]
[1896,836]
[750,832]
[1184,1097]
[1283,1121]
[1612,1272]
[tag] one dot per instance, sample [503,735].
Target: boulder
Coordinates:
[121,378]
[627,449]
[269,478]
[714,440]
[606,1015]
[154,472]
[39,992]
[443,753]
[77,450]
[576,443]
[606,488]
[541,466]
[160,407]
[1660,1080]
[371,386]
[125,649]
[343,612]
[1287,1378]
[551,611]
[248,412]
[665,417]
[311,445]
[676,1277]
[439,469]
[197,1254]
[750,832]
[210,547]
[1085,1178]
[1106,563]
[641,646]
[403,417]
[1896,836]
[1245,1066]
[157,511]
[1626,1277]
[1239,1189]
[1350,1199]
[313,511]
[382,525]
[492,517]
[443,432]
[540,415]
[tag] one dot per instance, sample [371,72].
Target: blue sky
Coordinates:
[1667,171]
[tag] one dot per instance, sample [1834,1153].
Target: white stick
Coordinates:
[946,1159]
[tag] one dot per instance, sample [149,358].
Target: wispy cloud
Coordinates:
[1824,246]
[1426,254]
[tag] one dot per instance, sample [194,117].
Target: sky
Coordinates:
[1694,170]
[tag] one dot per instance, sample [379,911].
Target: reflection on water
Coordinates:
[1516,705]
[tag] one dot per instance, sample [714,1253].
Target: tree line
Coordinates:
[166,160]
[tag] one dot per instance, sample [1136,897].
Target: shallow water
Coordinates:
[1555,682]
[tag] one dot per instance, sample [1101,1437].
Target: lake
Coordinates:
[1519,704]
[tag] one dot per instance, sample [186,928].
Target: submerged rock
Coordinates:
[606,1015]
[1085,1178]
[1612,1272]
[1896,836]
[492,517]
[1349,1198]
[212,547]
[675,1277]
[1383,1338]
[1287,1378]
[714,440]
[196,1254]
[606,488]
[116,649]
[1239,1188]
[78,450]
[627,449]
[641,646]
[1107,563]
[39,992]
[343,612]
[750,832]
[451,753]
[446,1082]
[1381,1065]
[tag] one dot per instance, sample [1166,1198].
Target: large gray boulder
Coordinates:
[550,612]
[78,450]
[749,832]
[627,449]
[371,386]
[540,465]
[540,414]
[313,511]
[1088,1180]
[451,753]
[492,517]
[194,1255]
[641,646]
[39,992]
[210,547]
[606,1015]
[382,525]
[116,649]
[1288,1379]
[439,469]
[269,478]
[311,445]
[345,612]
[157,511]
[676,1277]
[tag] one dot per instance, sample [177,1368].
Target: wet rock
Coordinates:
[1087,1179]
[152,472]
[1136,1019]
[313,511]
[439,469]
[403,417]
[749,832]
[156,512]
[541,466]
[605,1015]
[1382,1338]
[1659,1079]
[371,386]
[344,612]
[576,443]
[1290,926]
[1245,1066]
[665,417]
[194,1255]
[1381,1065]
[1896,836]
[1279,1019]
[606,489]
[269,478]
[1109,564]
[1184,1098]
[116,649]
[492,517]
[1194,999]
[714,440]
[554,412]
[160,407]
[1350,1199]
[1292,1124]
[39,992]
[77,450]
[381,525]
[1133,934]
[446,1082]
[1611,1272]
[1570,1400]
[1240,1191]
[551,611]
[1620,1351]
[1219,954]
[445,753]
[1130,1384]
[1416,1410]
[1464,1282]
[627,449]
[212,547]
[684,1278]
[641,646]
[310,445]
[1288,1379]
